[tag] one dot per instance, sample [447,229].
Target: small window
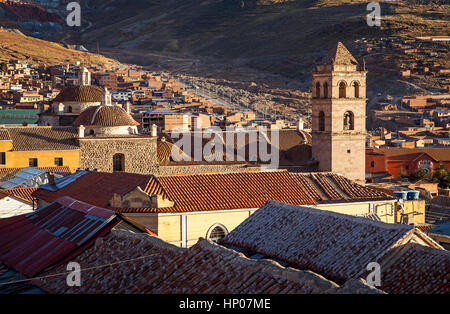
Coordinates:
[325,90]
[33,162]
[407,167]
[372,164]
[317,90]
[58,161]
[217,232]
[118,162]
[2,158]
[321,121]
[356,89]
[348,151]
[342,90]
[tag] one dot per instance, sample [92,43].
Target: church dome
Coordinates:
[83,93]
[105,116]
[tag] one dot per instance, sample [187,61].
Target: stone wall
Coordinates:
[140,154]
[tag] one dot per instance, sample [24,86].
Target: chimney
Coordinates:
[154,130]
[51,178]
[81,131]
[300,124]
[127,106]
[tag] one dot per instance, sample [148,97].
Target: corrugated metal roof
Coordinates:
[21,177]
[60,183]
[31,243]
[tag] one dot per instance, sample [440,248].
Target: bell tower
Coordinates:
[339,114]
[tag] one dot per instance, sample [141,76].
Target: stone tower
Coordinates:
[339,114]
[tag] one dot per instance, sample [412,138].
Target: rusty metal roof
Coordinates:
[30,243]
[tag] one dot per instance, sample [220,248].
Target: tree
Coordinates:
[442,177]
[3,67]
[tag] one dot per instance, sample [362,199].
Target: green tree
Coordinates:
[3,67]
[442,177]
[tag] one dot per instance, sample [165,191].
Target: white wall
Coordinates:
[10,206]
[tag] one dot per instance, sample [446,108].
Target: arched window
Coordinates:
[372,164]
[349,121]
[91,132]
[69,109]
[325,90]
[321,121]
[342,90]
[356,89]
[317,90]
[216,232]
[118,162]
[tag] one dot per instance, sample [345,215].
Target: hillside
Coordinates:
[273,36]
[20,47]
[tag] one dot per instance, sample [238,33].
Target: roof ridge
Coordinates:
[222,172]
[321,212]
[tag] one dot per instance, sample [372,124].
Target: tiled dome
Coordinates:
[105,116]
[87,93]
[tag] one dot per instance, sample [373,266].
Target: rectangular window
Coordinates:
[58,161]
[2,158]
[33,162]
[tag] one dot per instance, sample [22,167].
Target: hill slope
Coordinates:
[14,46]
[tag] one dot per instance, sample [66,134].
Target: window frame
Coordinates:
[31,162]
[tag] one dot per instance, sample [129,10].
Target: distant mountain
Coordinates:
[280,36]
[275,36]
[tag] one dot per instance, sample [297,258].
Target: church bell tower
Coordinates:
[339,114]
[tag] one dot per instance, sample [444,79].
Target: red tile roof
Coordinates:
[21,193]
[43,138]
[63,170]
[190,192]
[88,93]
[334,245]
[409,157]
[327,187]
[106,116]
[439,154]
[231,190]
[417,269]
[30,243]
[153,266]
[97,188]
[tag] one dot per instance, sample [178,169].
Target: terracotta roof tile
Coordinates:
[21,193]
[88,93]
[43,138]
[206,268]
[325,187]
[418,269]
[7,173]
[190,192]
[334,245]
[106,116]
